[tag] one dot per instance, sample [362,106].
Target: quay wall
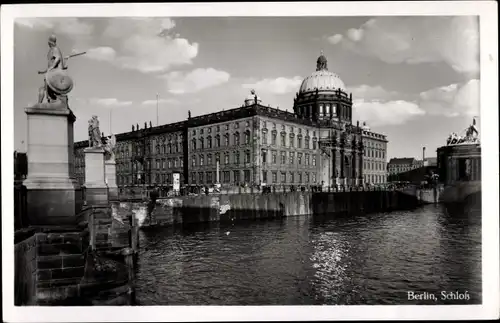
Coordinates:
[233,207]
[25,272]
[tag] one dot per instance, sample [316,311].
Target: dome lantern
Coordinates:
[322,63]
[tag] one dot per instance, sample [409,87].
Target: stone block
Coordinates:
[71,272]
[73,261]
[49,262]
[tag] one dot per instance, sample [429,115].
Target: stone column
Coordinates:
[217,175]
[54,196]
[342,162]
[110,176]
[334,166]
[360,172]
[96,190]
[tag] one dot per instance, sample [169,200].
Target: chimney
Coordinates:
[423,154]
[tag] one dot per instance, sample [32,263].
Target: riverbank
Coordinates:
[234,207]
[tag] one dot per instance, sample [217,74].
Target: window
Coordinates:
[209,174]
[264,138]
[200,177]
[246,173]
[217,128]
[307,159]
[264,176]
[227,126]
[299,178]
[314,160]
[292,179]
[321,111]
[264,157]
[157,164]
[247,137]
[194,132]
[292,141]
[247,156]
[273,156]
[292,156]
[217,141]
[283,143]
[299,142]
[163,164]
[226,158]
[236,125]
[313,177]
[237,157]
[314,144]
[236,176]
[209,159]
[283,157]
[307,143]
[274,125]
[307,177]
[193,161]
[299,158]
[237,138]
[226,176]
[175,162]
[202,143]
[201,131]
[283,177]
[273,139]
[226,140]
[248,123]
[194,144]
[275,177]
[202,159]
[193,177]
[209,141]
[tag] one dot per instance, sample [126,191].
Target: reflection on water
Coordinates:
[372,259]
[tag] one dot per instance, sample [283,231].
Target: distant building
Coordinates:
[375,156]
[430,161]
[401,165]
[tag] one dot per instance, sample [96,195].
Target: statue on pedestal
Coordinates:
[95,139]
[57,83]
[109,147]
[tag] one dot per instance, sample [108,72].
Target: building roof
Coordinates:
[401,161]
[322,80]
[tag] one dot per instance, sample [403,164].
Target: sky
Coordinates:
[414,79]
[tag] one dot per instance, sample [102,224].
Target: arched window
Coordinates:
[247,137]
[237,157]
[194,144]
[209,141]
[237,138]
[217,141]
[226,139]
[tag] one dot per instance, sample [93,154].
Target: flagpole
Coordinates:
[157,113]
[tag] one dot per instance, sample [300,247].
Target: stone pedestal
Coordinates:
[110,175]
[96,190]
[54,196]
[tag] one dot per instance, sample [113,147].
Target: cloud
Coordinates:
[148,44]
[452,100]
[194,81]
[67,26]
[379,113]
[107,54]
[335,39]
[110,102]
[160,101]
[280,85]
[415,40]
[369,93]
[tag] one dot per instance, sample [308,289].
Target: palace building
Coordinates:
[255,144]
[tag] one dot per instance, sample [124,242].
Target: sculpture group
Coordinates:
[100,141]
[471,136]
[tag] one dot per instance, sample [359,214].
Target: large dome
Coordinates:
[322,79]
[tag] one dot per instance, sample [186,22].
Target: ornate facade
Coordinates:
[375,156]
[317,144]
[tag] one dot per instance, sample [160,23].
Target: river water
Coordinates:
[310,260]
